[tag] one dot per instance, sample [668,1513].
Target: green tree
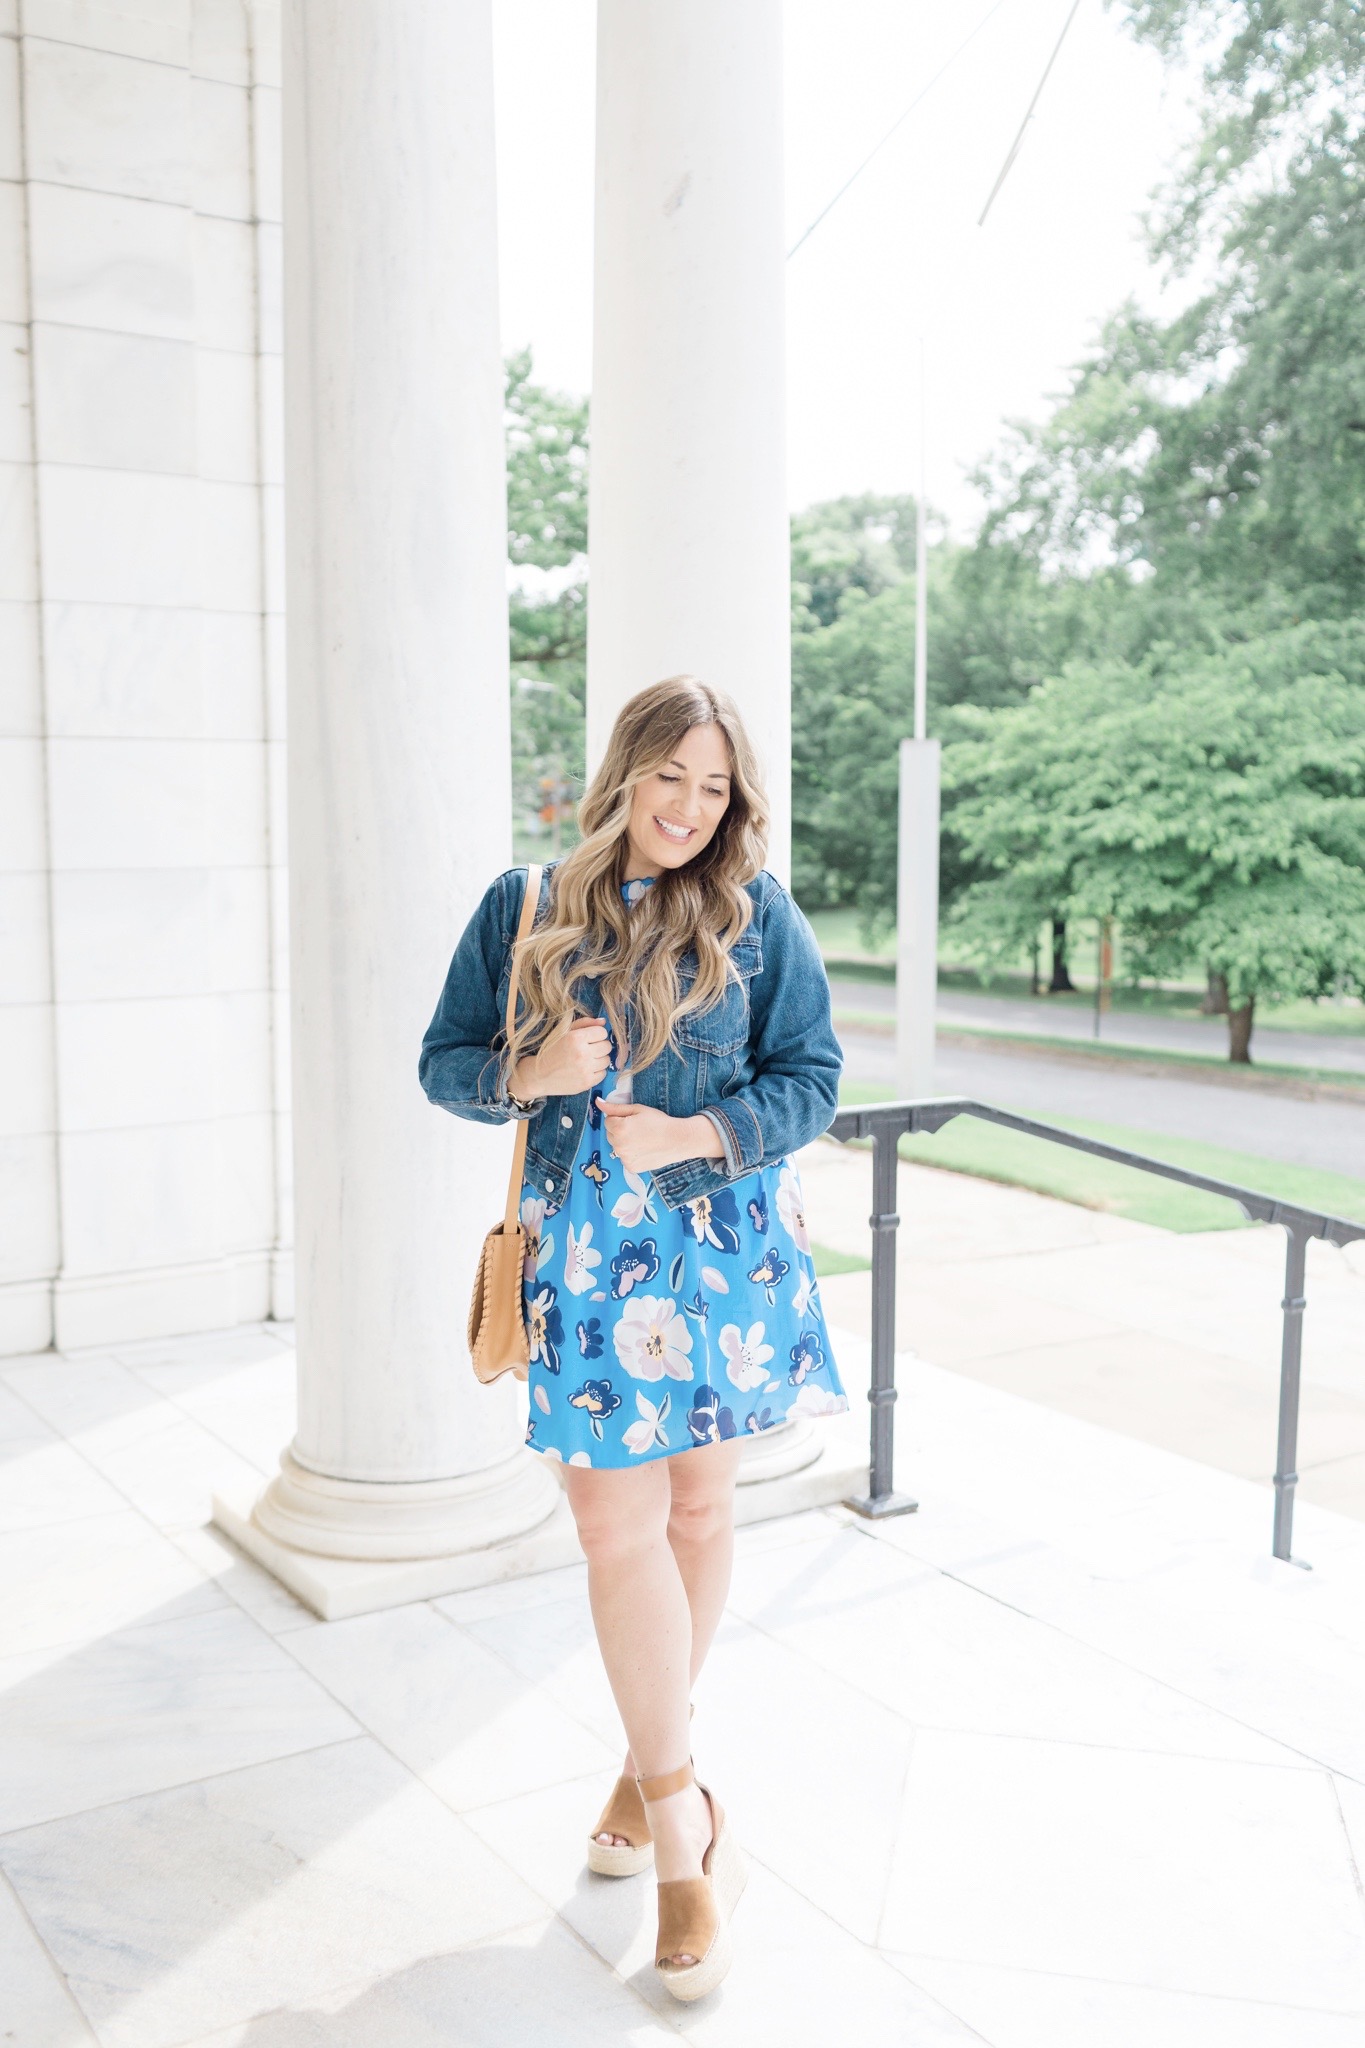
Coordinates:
[547,516]
[1220,455]
[1214,806]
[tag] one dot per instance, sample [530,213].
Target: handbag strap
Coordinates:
[529,905]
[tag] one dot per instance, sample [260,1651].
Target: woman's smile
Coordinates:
[679,834]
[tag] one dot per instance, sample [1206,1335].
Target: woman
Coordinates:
[672,1048]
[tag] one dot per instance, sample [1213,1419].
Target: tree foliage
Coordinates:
[547,517]
[1214,806]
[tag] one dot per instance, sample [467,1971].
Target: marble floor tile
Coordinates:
[217,1348]
[538,1987]
[149,1707]
[43,1482]
[172,1474]
[91,1399]
[20,1425]
[1351,1799]
[811,1768]
[1029,2009]
[798,1978]
[255,1889]
[248,1405]
[247,1584]
[944,1655]
[1223,1880]
[443,1702]
[554,1647]
[514,1596]
[36,2009]
[74,1580]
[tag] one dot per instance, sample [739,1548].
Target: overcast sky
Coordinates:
[1003,310]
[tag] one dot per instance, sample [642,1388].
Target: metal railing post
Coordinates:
[881,1498]
[1291,1354]
[886,1122]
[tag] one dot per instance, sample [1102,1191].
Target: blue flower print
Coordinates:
[699,1308]
[759,1419]
[714,1220]
[545,1327]
[589,1336]
[633,1265]
[770,1272]
[807,1356]
[758,1212]
[707,1420]
[596,1398]
[592,1169]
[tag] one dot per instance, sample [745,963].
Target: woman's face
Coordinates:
[677,810]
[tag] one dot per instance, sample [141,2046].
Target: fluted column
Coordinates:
[399,777]
[688,519]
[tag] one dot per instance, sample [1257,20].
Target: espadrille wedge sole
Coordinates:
[623,1814]
[695,1912]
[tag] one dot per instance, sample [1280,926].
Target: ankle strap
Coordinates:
[667,1781]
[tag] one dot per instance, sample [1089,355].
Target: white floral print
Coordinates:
[791,1209]
[746,1358]
[652,1340]
[818,1401]
[806,1298]
[715,1279]
[650,1430]
[580,1260]
[631,1208]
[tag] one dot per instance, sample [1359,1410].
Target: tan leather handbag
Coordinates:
[497,1325]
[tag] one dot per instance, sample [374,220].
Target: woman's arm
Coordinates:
[794,1094]
[463,1061]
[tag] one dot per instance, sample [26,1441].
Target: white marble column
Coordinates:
[398,780]
[688,527]
[688,536]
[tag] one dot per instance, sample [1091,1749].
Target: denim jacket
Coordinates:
[762,1063]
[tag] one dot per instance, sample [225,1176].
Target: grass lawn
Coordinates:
[846,953]
[828,1262]
[969,1146]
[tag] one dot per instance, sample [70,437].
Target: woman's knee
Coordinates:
[701,1506]
[617,1514]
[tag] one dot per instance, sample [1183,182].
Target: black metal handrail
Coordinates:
[886,1123]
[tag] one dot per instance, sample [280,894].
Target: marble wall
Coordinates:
[143,1004]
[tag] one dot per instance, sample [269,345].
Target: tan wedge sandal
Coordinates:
[694,1912]
[623,1814]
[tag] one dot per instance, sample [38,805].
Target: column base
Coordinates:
[508,1523]
[348,1547]
[790,1447]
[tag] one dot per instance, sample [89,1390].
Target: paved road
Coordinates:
[1041,1019]
[1328,1134]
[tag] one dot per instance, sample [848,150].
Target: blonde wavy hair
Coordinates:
[703,906]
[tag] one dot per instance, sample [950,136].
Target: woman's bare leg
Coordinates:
[701,1535]
[644,1631]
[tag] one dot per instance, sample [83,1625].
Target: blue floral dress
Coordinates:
[654,1330]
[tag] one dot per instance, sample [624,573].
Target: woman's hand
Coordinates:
[644,1138]
[578,1062]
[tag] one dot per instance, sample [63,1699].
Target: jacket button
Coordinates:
[566,1123]
[549,1187]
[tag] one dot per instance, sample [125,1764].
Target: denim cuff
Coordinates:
[727,1138]
[492,1092]
[739,1133]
